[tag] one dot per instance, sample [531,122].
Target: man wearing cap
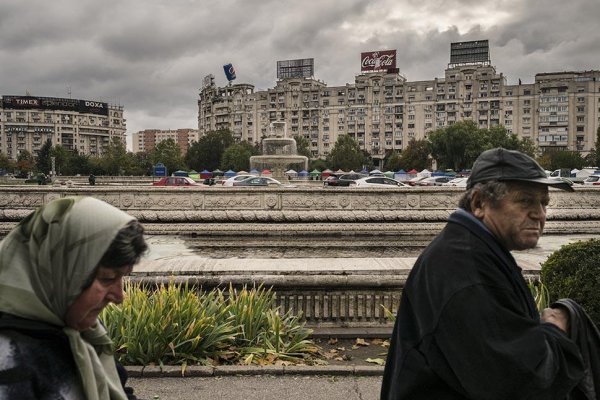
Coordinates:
[467,326]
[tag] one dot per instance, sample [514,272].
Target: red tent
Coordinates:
[412,172]
[325,174]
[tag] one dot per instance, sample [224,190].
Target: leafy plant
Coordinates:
[540,294]
[264,335]
[170,325]
[174,324]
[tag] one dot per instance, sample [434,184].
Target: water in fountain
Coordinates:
[279,153]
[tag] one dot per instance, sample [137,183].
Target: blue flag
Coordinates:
[229,72]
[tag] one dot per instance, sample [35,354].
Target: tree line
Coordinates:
[454,147]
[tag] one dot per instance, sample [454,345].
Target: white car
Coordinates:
[258,181]
[237,178]
[460,182]
[592,180]
[377,181]
[433,181]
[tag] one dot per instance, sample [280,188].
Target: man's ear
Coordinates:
[477,204]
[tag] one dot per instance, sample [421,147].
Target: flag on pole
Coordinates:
[229,72]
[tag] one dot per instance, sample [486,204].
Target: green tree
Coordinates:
[77,164]
[527,146]
[415,155]
[318,164]
[61,159]
[140,164]
[303,146]
[97,166]
[458,145]
[207,152]
[25,162]
[592,159]
[237,156]
[557,159]
[114,159]
[168,153]
[392,161]
[43,162]
[346,155]
[6,163]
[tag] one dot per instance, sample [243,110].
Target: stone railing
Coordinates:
[233,210]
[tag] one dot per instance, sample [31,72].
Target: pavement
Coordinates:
[263,387]
[350,370]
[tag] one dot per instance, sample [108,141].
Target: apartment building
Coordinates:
[26,122]
[147,139]
[383,111]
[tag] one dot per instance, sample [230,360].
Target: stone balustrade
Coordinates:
[180,210]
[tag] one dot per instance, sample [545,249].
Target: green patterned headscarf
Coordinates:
[44,264]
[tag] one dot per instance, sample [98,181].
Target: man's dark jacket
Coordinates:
[468,328]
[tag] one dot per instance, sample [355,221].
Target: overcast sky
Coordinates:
[151,55]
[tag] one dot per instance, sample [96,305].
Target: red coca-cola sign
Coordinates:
[378,60]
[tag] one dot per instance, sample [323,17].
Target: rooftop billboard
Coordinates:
[381,60]
[300,68]
[475,52]
[53,103]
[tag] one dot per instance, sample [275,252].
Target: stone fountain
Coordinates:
[279,153]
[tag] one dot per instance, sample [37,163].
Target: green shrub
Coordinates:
[573,271]
[177,325]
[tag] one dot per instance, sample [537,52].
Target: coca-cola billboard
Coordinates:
[381,60]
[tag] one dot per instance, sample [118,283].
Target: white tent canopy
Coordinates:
[425,172]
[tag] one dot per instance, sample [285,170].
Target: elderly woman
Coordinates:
[58,269]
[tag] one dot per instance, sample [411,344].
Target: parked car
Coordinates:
[415,180]
[342,180]
[237,178]
[378,182]
[460,182]
[592,180]
[176,181]
[257,181]
[434,181]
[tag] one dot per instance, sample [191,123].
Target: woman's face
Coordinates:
[107,287]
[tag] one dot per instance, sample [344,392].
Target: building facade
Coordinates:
[146,140]
[383,111]
[26,122]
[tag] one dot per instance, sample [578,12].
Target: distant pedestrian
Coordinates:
[41,178]
[467,326]
[92,179]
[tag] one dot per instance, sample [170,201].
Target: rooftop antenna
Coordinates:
[69,91]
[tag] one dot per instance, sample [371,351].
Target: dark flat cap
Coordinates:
[510,165]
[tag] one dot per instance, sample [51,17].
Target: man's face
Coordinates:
[107,287]
[518,219]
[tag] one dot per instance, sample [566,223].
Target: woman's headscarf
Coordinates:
[44,264]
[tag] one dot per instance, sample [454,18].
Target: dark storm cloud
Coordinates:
[150,56]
